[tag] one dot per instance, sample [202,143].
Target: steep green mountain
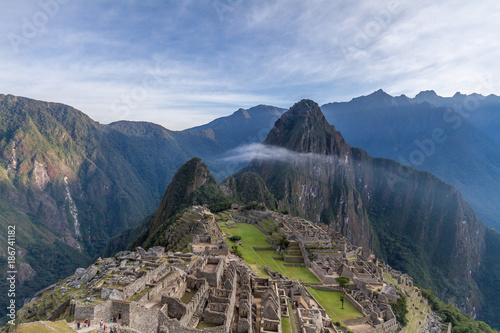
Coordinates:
[192,185]
[416,222]
[449,137]
[64,187]
[248,187]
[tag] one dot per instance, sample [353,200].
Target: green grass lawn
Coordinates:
[330,301]
[39,327]
[286,325]
[251,236]
[203,324]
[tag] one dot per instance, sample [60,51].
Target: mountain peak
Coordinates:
[190,177]
[458,94]
[306,108]
[304,128]
[426,94]
[380,92]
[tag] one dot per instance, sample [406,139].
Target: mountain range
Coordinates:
[77,183]
[454,138]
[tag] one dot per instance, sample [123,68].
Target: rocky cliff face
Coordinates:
[412,219]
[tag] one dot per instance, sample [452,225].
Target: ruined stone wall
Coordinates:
[213,278]
[169,280]
[321,274]
[103,311]
[243,325]
[118,329]
[232,304]
[217,252]
[150,278]
[201,295]
[123,308]
[305,254]
[357,321]
[216,313]
[175,307]
[368,278]
[221,312]
[215,299]
[174,326]
[143,319]
[354,303]
[204,238]
[293,259]
[390,325]
[327,288]
[84,312]
[261,228]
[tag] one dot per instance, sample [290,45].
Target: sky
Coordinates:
[184,63]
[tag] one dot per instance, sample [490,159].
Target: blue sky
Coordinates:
[184,63]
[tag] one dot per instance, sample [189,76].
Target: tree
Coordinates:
[283,243]
[400,309]
[235,238]
[235,249]
[343,281]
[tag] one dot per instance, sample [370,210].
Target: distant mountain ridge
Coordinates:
[452,138]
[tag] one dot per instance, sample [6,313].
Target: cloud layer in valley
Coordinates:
[262,152]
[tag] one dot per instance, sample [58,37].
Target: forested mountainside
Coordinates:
[71,183]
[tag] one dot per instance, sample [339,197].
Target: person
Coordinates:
[78,325]
[100,324]
[104,328]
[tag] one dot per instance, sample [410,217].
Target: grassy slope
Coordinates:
[45,327]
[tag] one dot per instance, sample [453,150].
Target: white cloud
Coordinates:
[91,55]
[262,152]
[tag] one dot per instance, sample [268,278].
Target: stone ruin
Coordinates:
[206,292]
